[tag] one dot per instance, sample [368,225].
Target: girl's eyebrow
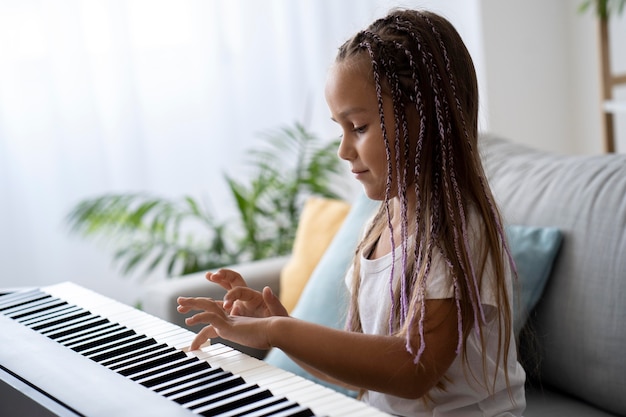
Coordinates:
[348,112]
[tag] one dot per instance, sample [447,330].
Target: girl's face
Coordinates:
[353,104]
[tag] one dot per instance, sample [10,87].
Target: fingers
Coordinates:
[241,295]
[212,313]
[187,304]
[202,337]
[226,278]
[273,303]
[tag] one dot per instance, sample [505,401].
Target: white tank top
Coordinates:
[462,397]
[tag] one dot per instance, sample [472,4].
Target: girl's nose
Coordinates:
[345,150]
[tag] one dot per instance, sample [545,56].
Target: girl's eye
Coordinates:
[360,129]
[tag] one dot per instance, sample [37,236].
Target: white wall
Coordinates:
[100,96]
[542,73]
[535,60]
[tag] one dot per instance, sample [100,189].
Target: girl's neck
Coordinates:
[383,244]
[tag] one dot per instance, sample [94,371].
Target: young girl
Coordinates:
[429,327]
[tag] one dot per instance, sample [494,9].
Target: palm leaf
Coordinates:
[182,236]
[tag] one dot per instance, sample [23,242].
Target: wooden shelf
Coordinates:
[615,106]
[609,82]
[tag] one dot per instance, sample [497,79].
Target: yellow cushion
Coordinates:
[319,221]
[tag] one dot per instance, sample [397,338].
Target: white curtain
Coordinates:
[161,96]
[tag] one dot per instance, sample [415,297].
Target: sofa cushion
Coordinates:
[324,298]
[534,250]
[580,321]
[319,221]
[545,402]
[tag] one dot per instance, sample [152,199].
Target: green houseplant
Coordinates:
[603,8]
[183,235]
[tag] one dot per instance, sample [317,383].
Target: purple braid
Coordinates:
[429,64]
[494,212]
[459,202]
[426,60]
[457,299]
[379,95]
[400,121]
[447,158]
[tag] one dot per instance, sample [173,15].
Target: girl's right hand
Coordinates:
[241,300]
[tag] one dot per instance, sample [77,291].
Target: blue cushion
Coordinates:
[534,250]
[325,297]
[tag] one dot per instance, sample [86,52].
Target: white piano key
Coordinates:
[142,374]
[35,309]
[45,320]
[234,401]
[265,406]
[130,345]
[50,314]
[118,361]
[148,362]
[187,381]
[95,338]
[168,373]
[87,334]
[217,396]
[70,325]
[29,307]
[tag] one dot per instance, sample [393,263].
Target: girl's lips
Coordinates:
[358,174]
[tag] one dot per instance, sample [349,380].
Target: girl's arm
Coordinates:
[373,362]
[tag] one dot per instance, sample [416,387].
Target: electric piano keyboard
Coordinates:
[73,352]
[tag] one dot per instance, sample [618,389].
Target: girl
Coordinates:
[429,328]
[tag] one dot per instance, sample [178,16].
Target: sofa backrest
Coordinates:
[580,321]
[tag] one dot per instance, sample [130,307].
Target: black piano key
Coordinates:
[208,390]
[48,322]
[14,296]
[34,310]
[100,340]
[90,323]
[190,381]
[299,411]
[174,373]
[65,325]
[20,299]
[149,373]
[233,402]
[148,364]
[84,332]
[262,407]
[53,313]
[90,333]
[94,335]
[135,357]
[126,344]
[128,347]
[219,396]
[112,340]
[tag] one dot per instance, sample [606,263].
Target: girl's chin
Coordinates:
[372,194]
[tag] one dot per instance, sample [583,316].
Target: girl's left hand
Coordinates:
[247,331]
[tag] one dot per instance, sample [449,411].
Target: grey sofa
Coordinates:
[573,346]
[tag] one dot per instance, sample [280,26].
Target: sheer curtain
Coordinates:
[160,96]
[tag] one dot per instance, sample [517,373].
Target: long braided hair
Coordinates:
[421,64]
